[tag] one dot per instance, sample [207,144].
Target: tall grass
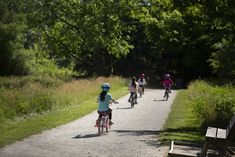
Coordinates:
[30,107]
[79,91]
[24,96]
[213,105]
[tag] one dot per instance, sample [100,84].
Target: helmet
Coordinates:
[105,87]
[142,75]
[167,75]
[133,78]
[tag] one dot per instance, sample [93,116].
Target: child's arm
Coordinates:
[145,83]
[114,101]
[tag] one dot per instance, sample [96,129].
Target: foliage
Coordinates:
[197,107]
[12,24]
[26,95]
[222,60]
[38,64]
[213,105]
[102,37]
[82,33]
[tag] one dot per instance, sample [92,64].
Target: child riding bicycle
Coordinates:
[142,83]
[167,82]
[104,100]
[133,88]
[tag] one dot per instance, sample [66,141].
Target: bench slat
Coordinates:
[211,132]
[221,133]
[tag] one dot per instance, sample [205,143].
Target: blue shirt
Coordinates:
[104,105]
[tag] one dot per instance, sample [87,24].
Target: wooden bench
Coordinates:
[219,139]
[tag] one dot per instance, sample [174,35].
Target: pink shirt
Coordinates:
[132,89]
[167,83]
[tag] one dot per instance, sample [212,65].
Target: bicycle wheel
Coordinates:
[141,91]
[132,101]
[107,126]
[101,126]
[167,94]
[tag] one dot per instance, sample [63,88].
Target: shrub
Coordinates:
[25,81]
[40,64]
[213,105]
[21,96]
[42,102]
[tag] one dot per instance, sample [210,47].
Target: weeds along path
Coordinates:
[134,133]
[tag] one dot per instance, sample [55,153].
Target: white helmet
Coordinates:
[168,75]
[105,87]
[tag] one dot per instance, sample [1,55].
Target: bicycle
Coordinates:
[133,100]
[166,94]
[103,124]
[141,91]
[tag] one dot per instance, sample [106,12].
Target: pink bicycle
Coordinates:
[103,124]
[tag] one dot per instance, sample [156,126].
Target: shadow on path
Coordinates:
[137,132]
[150,141]
[155,143]
[124,108]
[86,136]
[160,100]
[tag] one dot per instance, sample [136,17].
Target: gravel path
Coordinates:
[134,133]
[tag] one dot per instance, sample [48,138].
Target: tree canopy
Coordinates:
[103,37]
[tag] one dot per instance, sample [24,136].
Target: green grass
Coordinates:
[23,96]
[181,124]
[73,100]
[197,107]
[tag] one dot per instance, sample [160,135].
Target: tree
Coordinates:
[12,26]
[85,33]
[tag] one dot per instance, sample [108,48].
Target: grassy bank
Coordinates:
[195,108]
[181,124]
[67,100]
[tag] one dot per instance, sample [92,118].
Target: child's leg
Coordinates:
[136,98]
[110,113]
[99,117]
[110,116]
[130,97]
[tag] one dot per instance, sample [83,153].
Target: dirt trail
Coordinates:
[134,133]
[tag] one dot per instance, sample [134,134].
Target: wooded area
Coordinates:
[188,38]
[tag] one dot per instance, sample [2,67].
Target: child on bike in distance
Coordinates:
[167,82]
[142,82]
[133,88]
[104,100]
